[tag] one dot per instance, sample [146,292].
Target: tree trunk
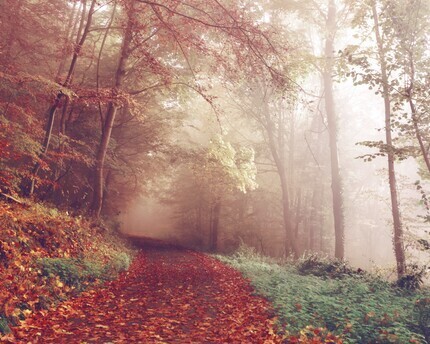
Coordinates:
[290,240]
[97,203]
[70,29]
[397,223]
[298,215]
[321,222]
[215,226]
[336,180]
[415,120]
[313,220]
[46,140]
[199,219]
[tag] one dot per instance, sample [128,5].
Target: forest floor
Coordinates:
[168,295]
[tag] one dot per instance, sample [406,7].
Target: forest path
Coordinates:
[167,296]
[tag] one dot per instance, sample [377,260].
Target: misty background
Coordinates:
[293,127]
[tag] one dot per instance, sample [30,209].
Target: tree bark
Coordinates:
[298,215]
[290,240]
[415,120]
[398,240]
[97,203]
[313,224]
[215,226]
[46,140]
[336,180]
[70,29]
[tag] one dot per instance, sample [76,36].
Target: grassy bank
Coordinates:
[47,256]
[314,299]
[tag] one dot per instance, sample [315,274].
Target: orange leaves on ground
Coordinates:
[26,235]
[167,296]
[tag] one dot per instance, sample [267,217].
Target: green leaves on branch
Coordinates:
[224,168]
[401,153]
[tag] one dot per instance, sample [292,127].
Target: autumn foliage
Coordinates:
[84,87]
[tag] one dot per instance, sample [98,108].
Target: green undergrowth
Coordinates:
[79,272]
[351,304]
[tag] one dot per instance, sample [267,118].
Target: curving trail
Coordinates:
[167,296]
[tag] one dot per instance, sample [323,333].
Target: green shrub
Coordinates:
[321,266]
[422,316]
[77,272]
[67,269]
[4,327]
[414,279]
[120,262]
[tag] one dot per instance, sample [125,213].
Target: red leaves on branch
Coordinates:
[167,296]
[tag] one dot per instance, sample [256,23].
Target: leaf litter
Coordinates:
[167,296]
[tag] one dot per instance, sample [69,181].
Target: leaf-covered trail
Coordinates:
[167,296]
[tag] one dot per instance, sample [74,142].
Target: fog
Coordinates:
[293,127]
[255,216]
[368,222]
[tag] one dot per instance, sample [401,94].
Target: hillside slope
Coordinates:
[47,256]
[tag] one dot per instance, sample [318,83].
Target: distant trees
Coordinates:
[317,34]
[223,171]
[216,174]
[267,109]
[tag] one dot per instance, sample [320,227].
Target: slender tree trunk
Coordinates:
[62,134]
[398,240]
[317,203]
[418,134]
[63,120]
[298,214]
[215,226]
[320,221]
[100,160]
[210,227]
[97,203]
[336,180]
[199,222]
[307,229]
[52,110]
[105,36]
[47,139]
[415,120]
[313,220]
[70,29]
[290,240]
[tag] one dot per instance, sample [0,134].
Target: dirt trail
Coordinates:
[167,296]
